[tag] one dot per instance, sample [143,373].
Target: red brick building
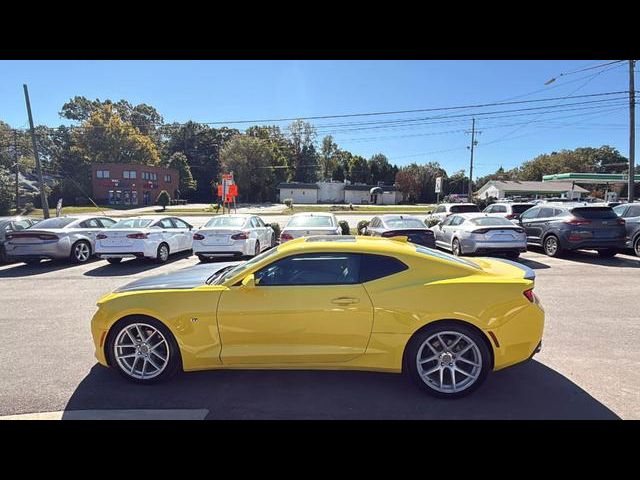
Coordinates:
[128,184]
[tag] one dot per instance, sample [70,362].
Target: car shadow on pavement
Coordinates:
[527,391]
[132,267]
[46,266]
[532,263]
[622,260]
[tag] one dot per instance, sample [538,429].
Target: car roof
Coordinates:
[470,215]
[391,216]
[313,214]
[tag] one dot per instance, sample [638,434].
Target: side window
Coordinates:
[91,223]
[107,222]
[311,269]
[489,209]
[374,223]
[254,222]
[456,221]
[259,221]
[447,221]
[179,223]
[499,209]
[545,212]
[634,211]
[440,209]
[529,214]
[373,267]
[166,223]
[557,212]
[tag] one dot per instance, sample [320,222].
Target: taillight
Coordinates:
[511,216]
[621,221]
[197,236]
[240,236]
[575,221]
[101,236]
[285,237]
[47,237]
[529,294]
[481,231]
[138,236]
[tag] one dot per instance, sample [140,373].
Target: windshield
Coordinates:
[520,208]
[308,221]
[489,221]
[226,222]
[445,256]
[464,208]
[218,279]
[132,223]
[404,223]
[56,222]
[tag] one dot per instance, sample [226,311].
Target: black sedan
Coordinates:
[401,226]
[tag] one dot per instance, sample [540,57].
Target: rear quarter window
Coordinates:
[373,267]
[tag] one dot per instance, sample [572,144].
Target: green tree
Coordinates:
[304,159]
[249,158]
[381,170]
[7,194]
[179,162]
[358,169]
[328,159]
[163,199]
[281,152]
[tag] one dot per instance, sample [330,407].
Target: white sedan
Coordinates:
[232,236]
[144,237]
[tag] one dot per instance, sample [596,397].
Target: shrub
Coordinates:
[163,199]
[288,202]
[361,225]
[216,207]
[276,229]
[344,225]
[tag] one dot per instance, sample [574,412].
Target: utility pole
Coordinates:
[43,194]
[15,155]
[632,131]
[473,144]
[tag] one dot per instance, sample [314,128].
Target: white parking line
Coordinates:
[169,414]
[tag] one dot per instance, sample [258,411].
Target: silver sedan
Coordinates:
[480,233]
[70,238]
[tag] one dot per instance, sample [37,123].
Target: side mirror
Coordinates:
[249,281]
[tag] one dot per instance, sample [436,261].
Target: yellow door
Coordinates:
[306,308]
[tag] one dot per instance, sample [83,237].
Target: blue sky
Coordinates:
[214,91]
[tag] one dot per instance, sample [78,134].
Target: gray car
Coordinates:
[630,212]
[10,225]
[308,224]
[400,226]
[70,238]
[480,233]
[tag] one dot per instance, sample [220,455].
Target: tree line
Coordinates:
[261,157]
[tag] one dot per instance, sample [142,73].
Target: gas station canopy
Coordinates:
[602,178]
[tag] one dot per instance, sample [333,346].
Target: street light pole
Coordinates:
[632,131]
[43,194]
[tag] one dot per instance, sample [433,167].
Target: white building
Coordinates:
[337,192]
[515,188]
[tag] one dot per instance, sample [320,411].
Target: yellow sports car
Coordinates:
[327,302]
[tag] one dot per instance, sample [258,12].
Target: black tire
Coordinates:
[551,246]
[256,250]
[161,256]
[456,249]
[608,253]
[174,364]
[414,349]
[114,261]
[273,240]
[203,259]
[636,246]
[80,252]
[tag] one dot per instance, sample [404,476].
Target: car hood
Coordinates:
[185,278]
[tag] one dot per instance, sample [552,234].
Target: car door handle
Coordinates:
[345,300]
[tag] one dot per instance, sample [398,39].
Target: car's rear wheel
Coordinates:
[114,260]
[256,251]
[203,259]
[163,253]
[456,249]
[448,359]
[608,253]
[636,247]
[273,239]
[80,252]
[552,246]
[143,350]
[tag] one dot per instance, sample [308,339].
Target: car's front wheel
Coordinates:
[256,251]
[552,246]
[636,247]
[143,350]
[448,359]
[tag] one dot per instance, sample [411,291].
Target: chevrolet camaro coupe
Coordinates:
[328,302]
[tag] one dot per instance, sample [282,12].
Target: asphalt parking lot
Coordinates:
[589,367]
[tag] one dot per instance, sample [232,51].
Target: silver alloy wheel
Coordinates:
[163,253]
[449,362]
[81,252]
[551,245]
[141,351]
[636,247]
[455,248]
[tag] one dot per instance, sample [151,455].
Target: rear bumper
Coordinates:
[619,243]
[59,249]
[106,255]
[137,249]
[471,246]
[237,248]
[219,254]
